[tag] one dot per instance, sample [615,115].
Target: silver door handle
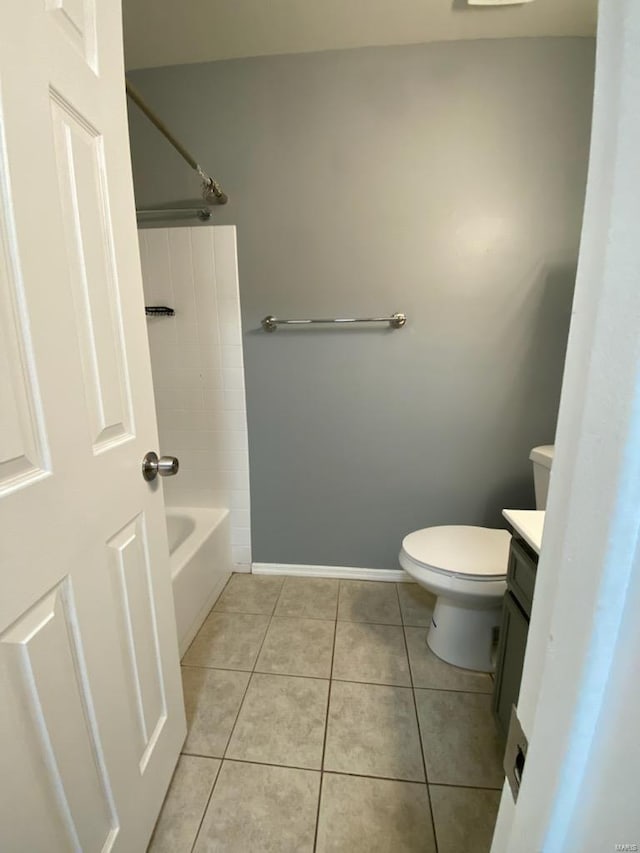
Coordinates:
[166,466]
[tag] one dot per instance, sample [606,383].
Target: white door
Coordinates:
[91,715]
[580,694]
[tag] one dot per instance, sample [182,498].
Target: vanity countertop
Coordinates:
[529,523]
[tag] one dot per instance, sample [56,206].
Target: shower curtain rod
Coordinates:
[212,192]
[202,213]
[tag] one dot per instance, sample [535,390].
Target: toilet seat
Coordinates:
[471,554]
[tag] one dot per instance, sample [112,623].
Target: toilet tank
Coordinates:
[542,458]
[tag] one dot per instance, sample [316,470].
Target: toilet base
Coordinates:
[464,636]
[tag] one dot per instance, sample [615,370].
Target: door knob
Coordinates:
[166,466]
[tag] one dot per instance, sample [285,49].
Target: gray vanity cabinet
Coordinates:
[521,576]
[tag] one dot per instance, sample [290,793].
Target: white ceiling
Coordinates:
[172,32]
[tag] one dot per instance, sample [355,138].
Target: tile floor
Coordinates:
[319,720]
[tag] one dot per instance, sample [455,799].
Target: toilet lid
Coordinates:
[480,552]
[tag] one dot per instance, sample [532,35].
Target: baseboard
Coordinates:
[241,568]
[345,572]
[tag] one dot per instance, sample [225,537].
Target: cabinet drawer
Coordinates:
[521,574]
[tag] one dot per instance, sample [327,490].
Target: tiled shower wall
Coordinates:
[198,374]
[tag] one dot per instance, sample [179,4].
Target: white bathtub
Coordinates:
[200,556]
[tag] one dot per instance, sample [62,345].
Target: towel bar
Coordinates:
[396,321]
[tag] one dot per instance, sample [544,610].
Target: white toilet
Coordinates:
[466,567]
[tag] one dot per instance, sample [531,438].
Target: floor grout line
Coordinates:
[238,612]
[277,601]
[415,708]
[466,787]
[203,755]
[373,776]
[455,690]
[343,773]
[292,675]
[205,619]
[312,618]
[206,805]
[326,724]
[303,618]
[271,764]
[333,678]
[372,683]
[338,603]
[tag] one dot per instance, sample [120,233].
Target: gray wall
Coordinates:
[442,180]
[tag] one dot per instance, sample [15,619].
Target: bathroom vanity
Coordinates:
[521,577]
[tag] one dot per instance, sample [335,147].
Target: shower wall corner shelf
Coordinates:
[158,311]
[396,321]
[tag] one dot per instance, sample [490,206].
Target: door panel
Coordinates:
[45,668]
[89,240]
[77,21]
[133,581]
[23,444]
